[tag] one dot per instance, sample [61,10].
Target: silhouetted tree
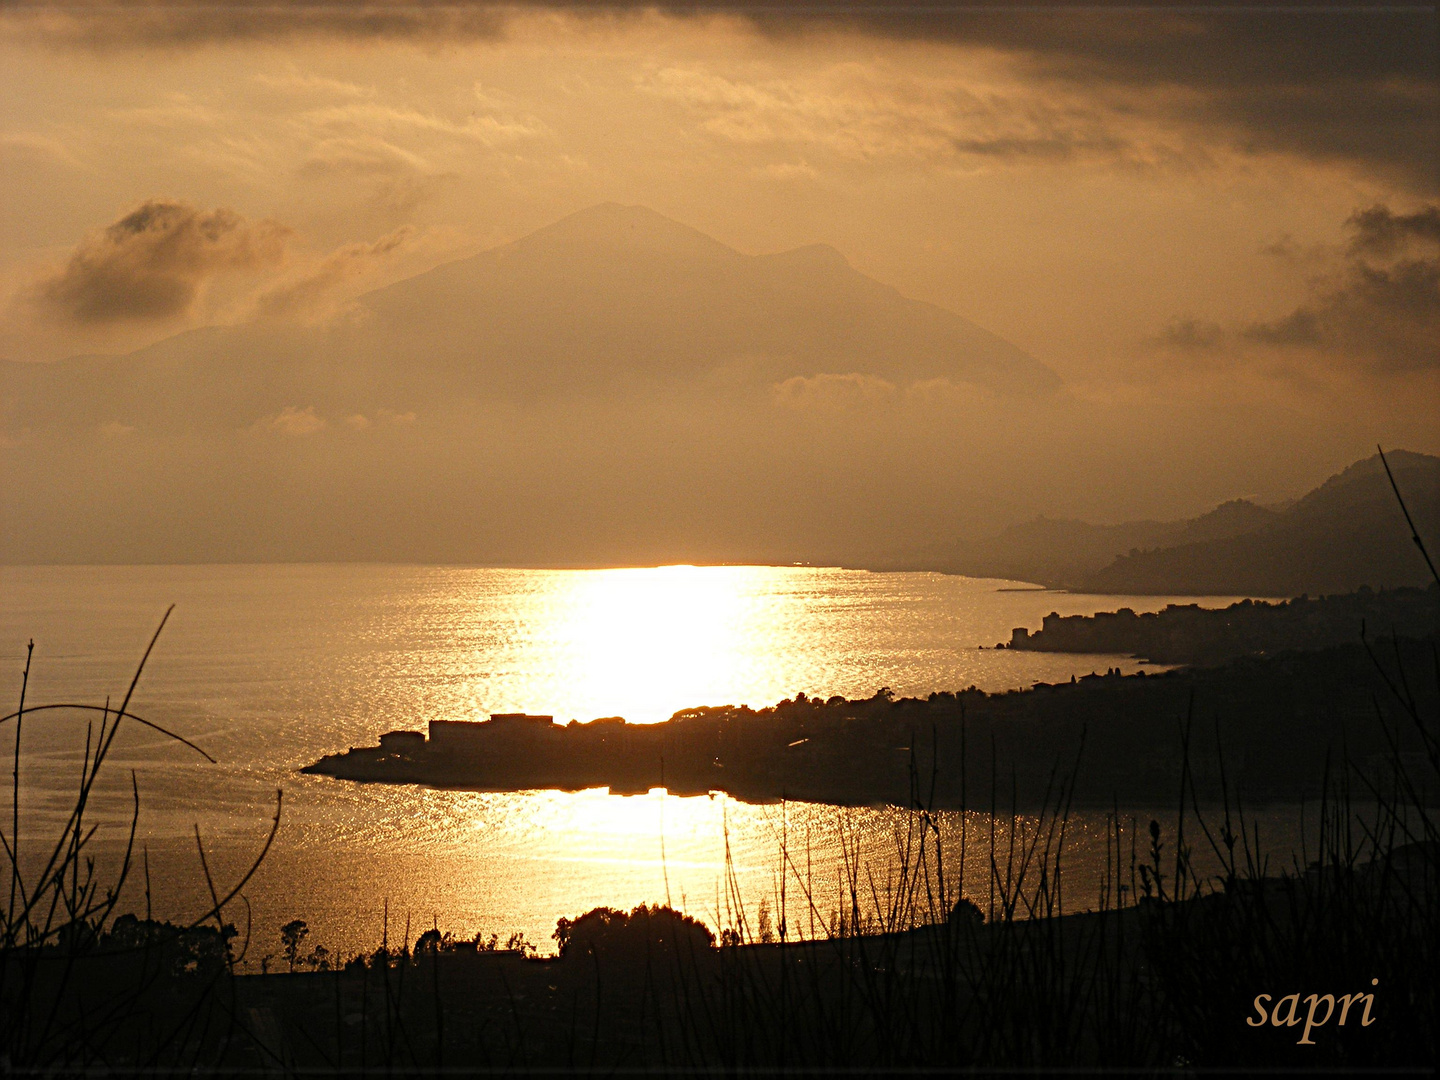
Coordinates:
[291,935]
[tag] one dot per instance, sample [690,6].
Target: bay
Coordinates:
[267,667]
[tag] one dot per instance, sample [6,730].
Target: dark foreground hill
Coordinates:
[1269,723]
[1344,534]
[648,992]
[1223,975]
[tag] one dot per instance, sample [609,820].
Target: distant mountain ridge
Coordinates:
[615,389]
[607,295]
[622,288]
[1347,533]
[1063,553]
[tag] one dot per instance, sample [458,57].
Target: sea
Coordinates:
[268,667]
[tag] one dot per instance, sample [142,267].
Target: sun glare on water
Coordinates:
[643,643]
[643,639]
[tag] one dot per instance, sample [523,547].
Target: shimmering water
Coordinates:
[269,667]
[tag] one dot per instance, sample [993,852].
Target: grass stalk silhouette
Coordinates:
[79,985]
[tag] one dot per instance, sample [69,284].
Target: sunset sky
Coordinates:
[1219,227]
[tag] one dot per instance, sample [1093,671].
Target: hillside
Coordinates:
[1063,553]
[1347,533]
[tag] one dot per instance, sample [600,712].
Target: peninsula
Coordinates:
[1273,719]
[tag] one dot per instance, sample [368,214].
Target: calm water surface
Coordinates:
[269,667]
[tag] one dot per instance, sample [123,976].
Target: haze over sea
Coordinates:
[268,667]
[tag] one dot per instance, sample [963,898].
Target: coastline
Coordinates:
[1261,727]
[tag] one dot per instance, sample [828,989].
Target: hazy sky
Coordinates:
[1217,225]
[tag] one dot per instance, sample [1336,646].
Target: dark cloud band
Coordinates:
[1355,82]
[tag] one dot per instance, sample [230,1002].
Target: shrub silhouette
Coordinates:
[609,930]
[175,950]
[966,915]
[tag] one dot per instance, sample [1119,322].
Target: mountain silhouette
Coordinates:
[621,290]
[610,296]
[1346,533]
